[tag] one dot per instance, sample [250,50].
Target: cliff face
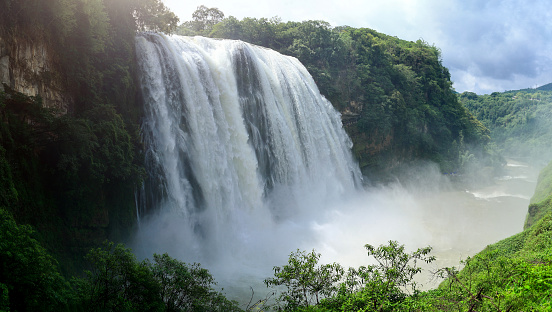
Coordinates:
[31,68]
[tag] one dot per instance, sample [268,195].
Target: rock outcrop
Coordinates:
[31,68]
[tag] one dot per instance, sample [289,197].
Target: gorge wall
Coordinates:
[30,67]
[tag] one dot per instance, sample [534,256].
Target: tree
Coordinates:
[118,282]
[381,286]
[186,287]
[394,268]
[29,276]
[153,15]
[306,282]
[205,18]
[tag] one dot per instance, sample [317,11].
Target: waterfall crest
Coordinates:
[236,133]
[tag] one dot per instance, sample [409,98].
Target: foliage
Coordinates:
[187,287]
[153,15]
[56,166]
[512,275]
[71,173]
[29,277]
[377,287]
[204,19]
[393,268]
[384,286]
[305,281]
[396,97]
[519,121]
[541,202]
[118,282]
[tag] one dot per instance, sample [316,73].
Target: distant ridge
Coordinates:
[546,87]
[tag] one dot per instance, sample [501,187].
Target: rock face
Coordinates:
[30,68]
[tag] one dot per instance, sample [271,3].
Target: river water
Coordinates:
[464,220]
[456,220]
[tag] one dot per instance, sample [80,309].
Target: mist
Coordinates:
[426,209]
[248,162]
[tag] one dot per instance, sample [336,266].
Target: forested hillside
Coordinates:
[396,97]
[71,171]
[520,121]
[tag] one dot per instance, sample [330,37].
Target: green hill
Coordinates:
[520,121]
[395,96]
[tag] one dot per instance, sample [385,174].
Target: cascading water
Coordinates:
[239,140]
[247,162]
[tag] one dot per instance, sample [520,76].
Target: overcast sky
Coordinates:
[488,45]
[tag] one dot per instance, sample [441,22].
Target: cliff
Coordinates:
[31,67]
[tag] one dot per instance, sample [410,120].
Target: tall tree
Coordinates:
[153,15]
[205,18]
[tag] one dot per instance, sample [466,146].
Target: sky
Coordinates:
[487,45]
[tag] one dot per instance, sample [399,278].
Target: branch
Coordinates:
[474,297]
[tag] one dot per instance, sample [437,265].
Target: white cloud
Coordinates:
[488,46]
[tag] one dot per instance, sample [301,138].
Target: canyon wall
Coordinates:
[30,67]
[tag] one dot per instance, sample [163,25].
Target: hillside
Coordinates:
[70,153]
[541,202]
[395,96]
[514,274]
[520,121]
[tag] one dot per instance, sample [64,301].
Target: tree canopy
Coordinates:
[396,97]
[520,121]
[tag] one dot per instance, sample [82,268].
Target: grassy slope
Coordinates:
[514,274]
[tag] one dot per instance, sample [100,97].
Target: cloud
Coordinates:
[501,44]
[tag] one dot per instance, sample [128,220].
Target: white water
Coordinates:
[242,151]
[248,162]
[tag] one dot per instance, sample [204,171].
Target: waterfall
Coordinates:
[238,140]
[247,162]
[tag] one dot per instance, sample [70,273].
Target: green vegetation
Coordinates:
[520,121]
[66,174]
[30,279]
[396,97]
[306,282]
[384,286]
[72,173]
[512,275]
[541,202]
